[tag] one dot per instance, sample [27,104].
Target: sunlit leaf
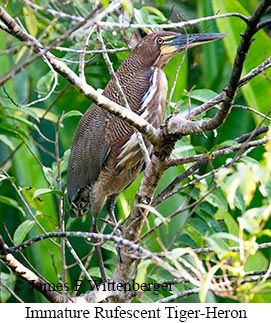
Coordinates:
[42,191]
[5,140]
[202,95]
[46,115]
[153,211]
[128,6]
[30,112]
[4,177]
[155,11]
[252,218]
[225,236]
[37,203]
[30,20]
[142,271]
[206,282]
[257,92]
[72,113]
[219,245]
[22,230]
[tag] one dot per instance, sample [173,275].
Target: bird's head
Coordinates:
[157,48]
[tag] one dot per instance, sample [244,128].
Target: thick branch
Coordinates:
[21,271]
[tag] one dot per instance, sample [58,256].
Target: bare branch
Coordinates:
[179,125]
[256,71]
[171,25]
[28,275]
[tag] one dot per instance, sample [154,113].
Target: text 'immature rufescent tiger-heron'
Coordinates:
[105,156]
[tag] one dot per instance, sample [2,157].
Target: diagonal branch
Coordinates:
[179,125]
[87,90]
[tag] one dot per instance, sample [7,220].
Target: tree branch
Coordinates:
[87,90]
[179,125]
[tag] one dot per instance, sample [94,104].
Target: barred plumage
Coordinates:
[105,156]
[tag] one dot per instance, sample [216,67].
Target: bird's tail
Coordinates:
[80,203]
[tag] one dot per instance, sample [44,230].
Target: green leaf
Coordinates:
[252,218]
[42,191]
[20,111]
[7,279]
[142,271]
[224,144]
[153,211]
[30,20]
[49,175]
[206,282]
[257,92]
[37,203]
[219,245]
[105,3]
[95,271]
[225,236]
[202,95]
[72,113]
[181,83]
[7,142]
[9,131]
[197,230]
[257,261]
[22,230]
[128,6]
[156,12]
[19,122]
[66,158]
[4,177]
[45,83]
[11,202]
[217,199]
[181,150]
[110,246]
[46,115]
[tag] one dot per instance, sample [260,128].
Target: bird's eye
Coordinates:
[159,40]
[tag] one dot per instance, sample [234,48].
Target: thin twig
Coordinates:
[81,69]
[176,25]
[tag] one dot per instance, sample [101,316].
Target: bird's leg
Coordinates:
[111,212]
[111,209]
[98,248]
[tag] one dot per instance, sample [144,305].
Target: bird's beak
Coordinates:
[173,44]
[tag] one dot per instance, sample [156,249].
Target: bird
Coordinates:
[105,156]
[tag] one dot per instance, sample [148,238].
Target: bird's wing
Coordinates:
[89,151]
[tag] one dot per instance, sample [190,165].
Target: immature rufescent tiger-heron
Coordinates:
[105,156]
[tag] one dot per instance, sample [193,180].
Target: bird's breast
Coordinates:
[153,101]
[151,109]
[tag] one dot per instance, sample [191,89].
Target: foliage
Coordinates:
[225,204]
